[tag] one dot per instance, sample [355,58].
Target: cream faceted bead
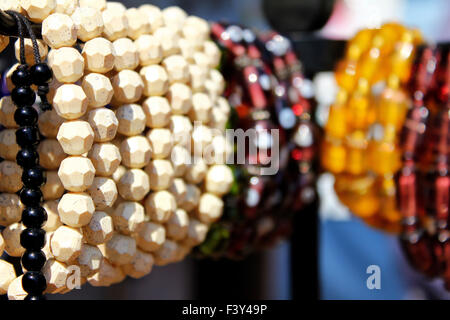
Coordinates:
[8,145]
[98,89]
[154,16]
[115,23]
[134,185]
[9,85]
[103,192]
[177,226]
[15,289]
[76,137]
[53,188]
[215,84]
[157,111]
[222,150]
[58,30]
[212,52]
[151,236]
[197,232]
[178,189]
[67,64]
[107,275]
[4,42]
[66,6]
[120,249]
[167,253]
[53,220]
[49,123]
[201,107]
[118,173]
[160,206]
[89,23]
[76,209]
[100,229]
[191,198]
[136,152]
[106,158]
[116,6]
[66,244]
[10,177]
[2,246]
[29,51]
[149,50]
[156,80]
[38,10]
[180,158]
[8,275]
[196,170]
[104,123]
[97,4]
[98,55]
[174,17]
[197,77]
[160,173]
[210,208]
[177,68]
[76,173]
[160,142]
[128,217]
[168,37]
[200,24]
[125,54]
[51,154]
[194,35]
[201,140]
[180,97]
[187,49]
[137,23]
[131,119]
[218,119]
[10,209]
[56,274]
[7,109]
[140,266]
[13,5]
[181,128]
[89,260]
[219,179]
[11,236]
[128,86]
[70,101]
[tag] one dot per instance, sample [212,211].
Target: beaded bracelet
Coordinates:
[426,142]
[361,136]
[263,77]
[133,91]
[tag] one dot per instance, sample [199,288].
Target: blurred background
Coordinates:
[331,250]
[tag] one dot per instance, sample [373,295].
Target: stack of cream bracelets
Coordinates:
[135,99]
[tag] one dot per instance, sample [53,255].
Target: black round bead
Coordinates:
[27,158]
[33,260]
[21,76]
[33,177]
[41,74]
[32,238]
[34,283]
[35,298]
[31,197]
[27,136]
[26,116]
[23,96]
[34,217]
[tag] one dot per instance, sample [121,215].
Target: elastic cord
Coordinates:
[21,30]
